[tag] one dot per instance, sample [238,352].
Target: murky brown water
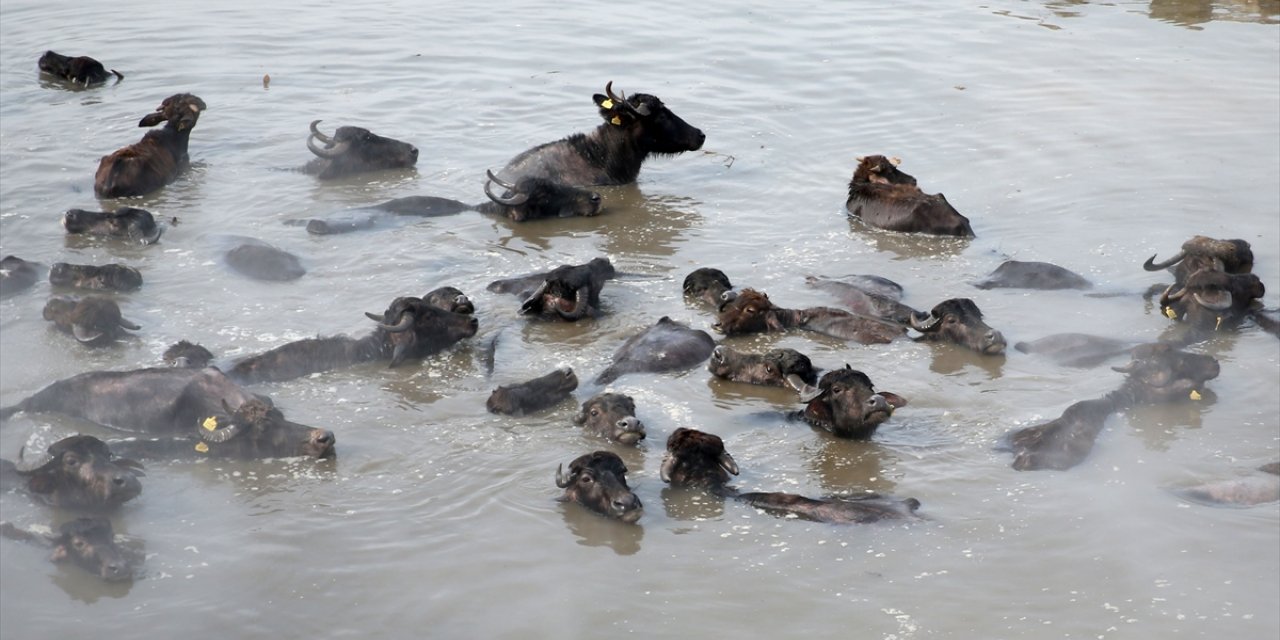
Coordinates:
[1089,135]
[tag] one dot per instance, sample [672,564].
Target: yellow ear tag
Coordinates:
[616,120]
[202,447]
[1173,315]
[210,423]
[607,104]
[1195,395]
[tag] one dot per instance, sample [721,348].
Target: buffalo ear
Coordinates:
[41,483]
[151,119]
[896,401]
[610,111]
[580,419]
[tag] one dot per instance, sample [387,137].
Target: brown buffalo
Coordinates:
[533,395]
[611,416]
[78,472]
[884,197]
[87,542]
[847,405]
[158,158]
[93,320]
[598,481]
[107,277]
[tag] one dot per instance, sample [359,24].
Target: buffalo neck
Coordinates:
[613,150]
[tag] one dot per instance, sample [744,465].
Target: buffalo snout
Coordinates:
[320,443]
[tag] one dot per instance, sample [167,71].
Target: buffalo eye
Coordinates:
[78,543]
[768,368]
[595,412]
[751,311]
[950,319]
[70,460]
[586,479]
[836,389]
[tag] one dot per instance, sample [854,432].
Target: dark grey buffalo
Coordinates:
[1015,274]
[353,150]
[158,158]
[1157,373]
[17,275]
[634,128]
[77,472]
[774,368]
[959,321]
[533,395]
[867,295]
[598,481]
[523,287]
[107,277]
[213,414]
[611,416]
[1077,349]
[1201,252]
[884,197]
[570,292]
[708,285]
[697,459]
[526,199]
[86,542]
[187,355]
[857,509]
[262,261]
[125,223]
[93,320]
[846,404]
[751,311]
[81,70]
[410,329]
[1211,299]
[665,346]
[450,299]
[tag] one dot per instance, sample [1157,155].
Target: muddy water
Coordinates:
[1089,135]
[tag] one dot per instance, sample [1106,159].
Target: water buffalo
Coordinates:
[187,355]
[884,197]
[707,285]
[128,223]
[76,70]
[751,311]
[667,345]
[598,481]
[1210,298]
[87,542]
[846,404]
[867,295]
[1015,274]
[959,321]
[612,416]
[697,459]
[78,472]
[158,158]
[410,329]
[107,277]
[354,150]
[1157,373]
[774,368]
[93,320]
[215,415]
[265,262]
[533,395]
[859,509]
[1240,492]
[1231,256]
[1076,349]
[17,275]
[597,270]
[526,199]
[611,154]
[570,292]
[450,299]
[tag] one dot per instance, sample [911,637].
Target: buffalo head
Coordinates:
[846,404]
[354,150]
[80,472]
[256,429]
[696,459]
[1160,372]
[1201,252]
[748,312]
[656,128]
[93,320]
[416,328]
[612,415]
[531,198]
[881,170]
[129,223]
[1211,297]
[707,284]
[959,321]
[775,368]
[598,482]
[107,277]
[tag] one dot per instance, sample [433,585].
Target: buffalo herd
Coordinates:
[192,408]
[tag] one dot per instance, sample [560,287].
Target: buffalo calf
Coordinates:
[76,69]
[884,197]
[158,158]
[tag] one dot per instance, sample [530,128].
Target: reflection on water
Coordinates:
[949,358]
[594,530]
[688,504]
[1187,13]
[846,466]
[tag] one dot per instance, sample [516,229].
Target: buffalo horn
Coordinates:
[1216,306]
[316,132]
[402,324]
[129,325]
[807,392]
[85,334]
[928,323]
[533,304]
[327,152]
[517,199]
[1170,295]
[668,464]
[622,101]
[562,480]
[579,306]
[1150,264]
[727,463]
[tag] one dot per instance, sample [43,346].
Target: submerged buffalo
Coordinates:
[158,158]
[708,285]
[526,199]
[570,292]
[1247,491]
[846,404]
[216,416]
[667,345]
[697,459]
[76,69]
[77,472]
[410,329]
[884,197]
[1211,298]
[533,395]
[611,416]
[1015,274]
[93,320]
[523,287]
[1157,373]
[87,542]
[1076,349]
[1202,252]
[751,311]
[598,481]
[867,295]
[17,275]
[634,128]
[262,261]
[353,150]
[774,368]
[450,299]
[187,355]
[126,223]
[107,277]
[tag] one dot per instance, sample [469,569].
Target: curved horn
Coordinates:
[518,199]
[129,325]
[1150,264]
[562,480]
[401,325]
[330,152]
[533,304]
[221,435]
[807,392]
[622,101]
[1170,295]
[668,464]
[727,463]
[85,334]
[929,323]
[316,132]
[504,185]
[1216,306]
[580,306]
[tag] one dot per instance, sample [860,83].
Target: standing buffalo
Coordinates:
[87,542]
[216,416]
[884,197]
[774,368]
[76,70]
[665,346]
[633,129]
[354,150]
[107,277]
[612,416]
[158,158]
[598,481]
[410,328]
[1014,274]
[17,275]
[93,320]
[846,404]
[1157,373]
[711,286]
[78,472]
[128,223]
[533,395]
